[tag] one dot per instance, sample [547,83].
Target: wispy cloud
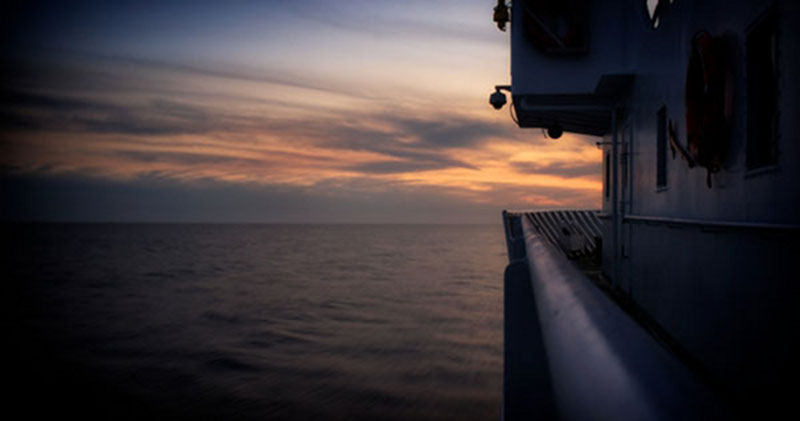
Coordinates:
[567,169]
[378,124]
[450,20]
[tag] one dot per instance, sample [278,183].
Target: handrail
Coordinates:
[601,363]
[709,223]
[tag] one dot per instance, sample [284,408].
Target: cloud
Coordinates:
[412,144]
[176,139]
[154,199]
[186,158]
[446,22]
[394,167]
[422,140]
[567,169]
[452,131]
[32,111]
[264,76]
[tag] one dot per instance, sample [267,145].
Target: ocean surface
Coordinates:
[196,321]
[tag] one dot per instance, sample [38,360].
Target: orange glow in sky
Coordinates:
[297,100]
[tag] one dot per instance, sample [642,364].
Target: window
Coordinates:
[557,27]
[661,148]
[762,92]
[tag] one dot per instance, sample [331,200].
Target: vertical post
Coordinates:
[615,217]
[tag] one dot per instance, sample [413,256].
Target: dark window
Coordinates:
[762,92]
[606,185]
[661,148]
[557,27]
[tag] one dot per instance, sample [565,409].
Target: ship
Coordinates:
[678,298]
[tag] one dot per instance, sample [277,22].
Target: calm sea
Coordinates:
[143,321]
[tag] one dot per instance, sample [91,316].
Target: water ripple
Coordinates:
[260,321]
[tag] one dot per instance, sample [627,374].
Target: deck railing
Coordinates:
[572,353]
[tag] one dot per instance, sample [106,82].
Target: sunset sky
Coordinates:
[270,111]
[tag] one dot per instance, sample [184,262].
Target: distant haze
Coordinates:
[356,111]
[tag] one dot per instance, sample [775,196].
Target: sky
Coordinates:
[270,111]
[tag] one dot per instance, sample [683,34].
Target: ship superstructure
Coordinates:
[696,107]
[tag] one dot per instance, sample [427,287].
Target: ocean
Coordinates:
[225,321]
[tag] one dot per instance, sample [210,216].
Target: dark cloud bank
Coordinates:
[155,199]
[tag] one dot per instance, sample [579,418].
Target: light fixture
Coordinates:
[555,131]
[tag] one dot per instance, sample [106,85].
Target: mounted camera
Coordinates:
[498,99]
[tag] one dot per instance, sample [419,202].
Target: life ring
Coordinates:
[708,102]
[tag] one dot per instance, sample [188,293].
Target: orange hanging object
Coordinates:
[707,97]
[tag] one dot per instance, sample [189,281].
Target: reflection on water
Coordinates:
[256,321]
